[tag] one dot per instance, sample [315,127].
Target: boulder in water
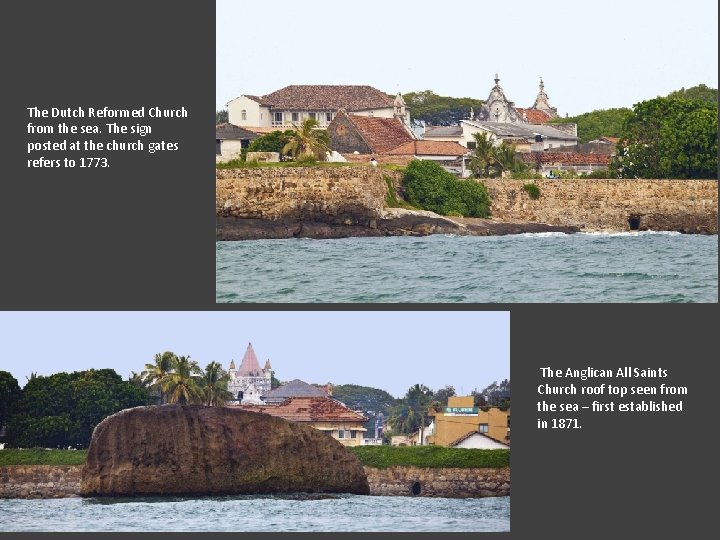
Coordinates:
[191,450]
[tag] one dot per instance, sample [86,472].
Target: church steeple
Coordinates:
[542,103]
[249,367]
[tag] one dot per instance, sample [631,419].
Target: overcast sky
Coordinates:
[591,55]
[391,350]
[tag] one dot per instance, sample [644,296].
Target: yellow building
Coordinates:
[461,417]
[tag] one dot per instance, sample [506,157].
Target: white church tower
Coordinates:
[250,383]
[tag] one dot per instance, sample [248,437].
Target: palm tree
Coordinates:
[410,414]
[483,157]
[214,385]
[155,373]
[307,141]
[181,383]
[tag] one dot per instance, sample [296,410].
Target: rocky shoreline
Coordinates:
[392,222]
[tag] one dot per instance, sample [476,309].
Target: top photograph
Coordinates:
[416,152]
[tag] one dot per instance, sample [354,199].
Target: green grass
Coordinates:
[41,456]
[382,457]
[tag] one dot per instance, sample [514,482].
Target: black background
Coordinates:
[140,235]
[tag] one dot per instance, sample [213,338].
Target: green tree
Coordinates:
[214,385]
[274,141]
[307,141]
[431,187]
[412,412]
[9,396]
[440,398]
[436,110]
[596,124]
[668,138]
[483,158]
[221,117]
[156,372]
[697,93]
[182,384]
[63,409]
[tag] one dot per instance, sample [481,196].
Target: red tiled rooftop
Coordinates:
[534,116]
[429,148]
[382,134]
[566,158]
[309,409]
[327,98]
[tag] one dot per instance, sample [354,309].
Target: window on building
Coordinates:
[243,114]
[353,434]
[295,117]
[217,147]
[328,117]
[341,434]
[313,115]
[278,117]
[483,428]
[472,145]
[508,420]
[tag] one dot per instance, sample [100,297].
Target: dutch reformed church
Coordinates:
[249,382]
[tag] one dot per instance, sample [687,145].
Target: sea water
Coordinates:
[340,513]
[527,268]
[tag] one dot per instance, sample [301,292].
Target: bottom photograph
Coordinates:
[270,421]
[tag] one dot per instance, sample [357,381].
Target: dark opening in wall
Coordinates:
[634,223]
[415,488]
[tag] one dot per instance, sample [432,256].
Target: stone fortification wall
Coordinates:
[346,195]
[39,481]
[440,482]
[55,481]
[617,205]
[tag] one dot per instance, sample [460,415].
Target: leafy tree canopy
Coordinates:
[271,142]
[221,117]
[697,93]
[9,395]
[431,187]
[62,409]
[436,110]
[668,138]
[596,124]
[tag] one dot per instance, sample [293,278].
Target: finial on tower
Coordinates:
[497,79]
[542,84]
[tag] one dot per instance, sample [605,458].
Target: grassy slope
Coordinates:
[41,456]
[430,456]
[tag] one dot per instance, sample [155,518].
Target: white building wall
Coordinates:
[255,114]
[229,149]
[478,441]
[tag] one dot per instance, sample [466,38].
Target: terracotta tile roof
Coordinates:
[566,158]
[429,148]
[309,409]
[326,98]
[381,134]
[534,116]
[231,131]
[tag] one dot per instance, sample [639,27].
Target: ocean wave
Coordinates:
[630,233]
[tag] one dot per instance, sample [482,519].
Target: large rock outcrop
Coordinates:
[190,450]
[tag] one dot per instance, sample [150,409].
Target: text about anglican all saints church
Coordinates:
[569,397]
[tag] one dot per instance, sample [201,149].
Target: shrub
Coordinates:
[382,457]
[532,190]
[431,187]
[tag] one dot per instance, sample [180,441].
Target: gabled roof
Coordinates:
[231,131]
[381,134]
[310,409]
[430,148]
[534,116]
[319,97]
[471,434]
[249,367]
[295,388]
